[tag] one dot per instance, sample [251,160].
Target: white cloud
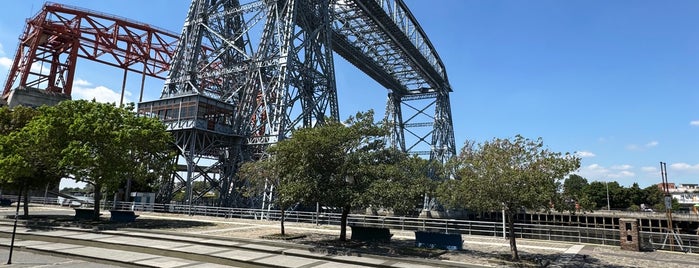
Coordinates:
[598,172]
[622,167]
[636,147]
[584,154]
[649,169]
[694,123]
[625,173]
[5,63]
[684,167]
[81,83]
[83,90]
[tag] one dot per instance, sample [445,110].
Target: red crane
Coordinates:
[58,35]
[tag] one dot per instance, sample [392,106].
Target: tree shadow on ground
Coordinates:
[536,260]
[48,222]
[331,245]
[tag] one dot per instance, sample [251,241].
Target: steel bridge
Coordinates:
[244,75]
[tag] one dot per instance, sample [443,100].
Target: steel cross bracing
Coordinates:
[282,80]
[273,60]
[270,59]
[383,39]
[58,35]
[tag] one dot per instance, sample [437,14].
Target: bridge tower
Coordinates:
[268,65]
[244,75]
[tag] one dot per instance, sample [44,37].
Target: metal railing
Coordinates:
[605,236]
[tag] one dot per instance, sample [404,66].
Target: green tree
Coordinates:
[100,144]
[405,184]
[574,196]
[618,195]
[573,186]
[24,164]
[260,176]
[652,195]
[334,164]
[596,191]
[635,195]
[509,175]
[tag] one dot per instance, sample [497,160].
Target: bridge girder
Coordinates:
[270,61]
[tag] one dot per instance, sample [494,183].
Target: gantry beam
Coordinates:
[58,35]
[269,63]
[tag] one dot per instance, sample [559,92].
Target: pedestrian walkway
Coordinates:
[170,250]
[26,258]
[234,243]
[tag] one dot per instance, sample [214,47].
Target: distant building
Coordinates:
[685,193]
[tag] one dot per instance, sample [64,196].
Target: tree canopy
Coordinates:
[263,177]
[101,144]
[508,175]
[24,164]
[335,164]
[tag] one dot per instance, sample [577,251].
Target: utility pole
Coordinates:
[608,207]
[668,204]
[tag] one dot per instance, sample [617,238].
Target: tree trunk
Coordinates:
[282,221]
[343,222]
[98,199]
[26,201]
[513,243]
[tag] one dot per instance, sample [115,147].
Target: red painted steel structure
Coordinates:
[58,35]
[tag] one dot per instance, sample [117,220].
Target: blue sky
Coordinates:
[613,81]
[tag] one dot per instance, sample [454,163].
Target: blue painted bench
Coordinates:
[438,240]
[122,216]
[370,234]
[83,213]
[5,202]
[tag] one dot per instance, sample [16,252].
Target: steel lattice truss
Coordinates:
[58,35]
[273,60]
[281,80]
[270,61]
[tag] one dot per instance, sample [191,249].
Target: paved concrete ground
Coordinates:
[175,250]
[479,250]
[22,258]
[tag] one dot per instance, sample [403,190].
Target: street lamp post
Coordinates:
[608,207]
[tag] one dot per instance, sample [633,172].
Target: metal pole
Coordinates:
[14,228]
[668,204]
[123,87]
[608,207]
[46,193]
[503,224]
